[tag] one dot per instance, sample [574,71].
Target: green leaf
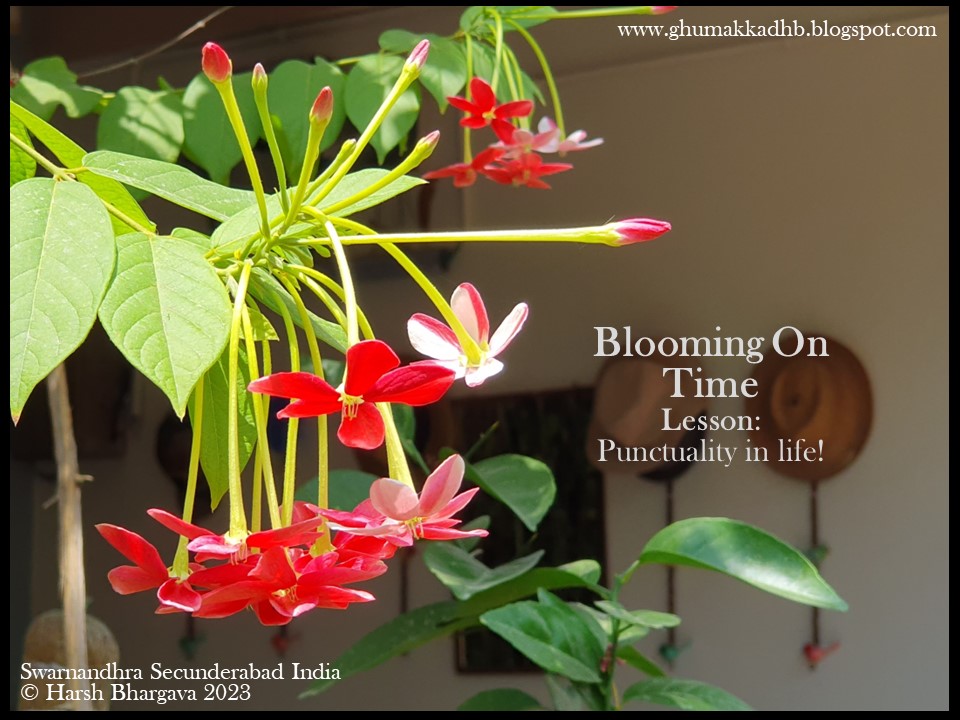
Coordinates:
[413,629]
[569,696]
[644,618]
[348,488]
[504,699]
[683,695]
[170,182]
[146,123]
[359,181]
[215,428]
[743,552]
[61,259]
[398,41]
[22,165]
[523,484]
[268,291]
[472,19]
[167,312]
[484,59]
[638,660]
[209,140]
[47,83]
[517,13]
[262,328]
[368,84]
[558,640]
[445,72]
[465,576]
[627,634]
[71,155]
[192,236]
[294,86]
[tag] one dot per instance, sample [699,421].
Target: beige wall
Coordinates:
[807,184]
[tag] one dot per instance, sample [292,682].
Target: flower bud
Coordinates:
[322,108]
[662,9]
[418,57]
[428,143]
[636,230]
[216,64]
[259,80]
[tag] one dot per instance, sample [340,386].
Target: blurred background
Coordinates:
[806,180]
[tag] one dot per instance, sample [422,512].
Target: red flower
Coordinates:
[526,170]
[465,174]
[517,142]
[147,572]
[372,375]
[636,230]
[483,109]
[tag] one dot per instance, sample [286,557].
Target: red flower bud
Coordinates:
[322,107]
[216,63]
[662,9]
[636,230]
[418,57]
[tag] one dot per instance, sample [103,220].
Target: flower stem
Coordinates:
[599,234]
[263,110]
[238,520]
[181,561]
[547,74]
[236,122]
[314,137]
[469,345]
[260,420]
[346,280]
[498,49]
[397,464]
[313,279]
[467,145]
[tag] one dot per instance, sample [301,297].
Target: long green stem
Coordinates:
[599,234]
[181,561]
[467,343]
[467,138]
[314,137]
[260,420]
[313,279]
[595,13]
[396,457]
[236,122]
[547,74]
[263,110]
[238,520]
[498,49]
[346,280]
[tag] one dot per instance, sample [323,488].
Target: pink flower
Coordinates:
[526,170]
[147,572]
[465,174]
[636,230]
[516,142]
[435,340]
[483,109]
[401,516]
[418,56]
[372,376]
[216,63]
[574,142]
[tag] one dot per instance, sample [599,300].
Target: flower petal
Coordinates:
[432,532]
[418,384]
[517,108]
[482,95]
[394,499]
[220,575]
[135,549]
[215,545]
[300,533]
[469,308]
[273,569]
[178,594]
[297,386]
[463,104]
[508,329]
[475,376]
[337,598]
[127,579]
[364,430]
[367,361]
[180,527]
[441,486]
[268,615]
[456,505]
[309,409]
[433,338]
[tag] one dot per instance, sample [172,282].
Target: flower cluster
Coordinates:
[283,573]
[517,156]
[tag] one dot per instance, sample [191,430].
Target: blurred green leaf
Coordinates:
[683,695]
[638,660]
[47,83]
[368,84]
[348,488]
[465,576]
[445,73]
[523,484]
[209,140]
[644,618]
[503,699]
[398,41]
[142,122]
[293,87]
[743,552]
